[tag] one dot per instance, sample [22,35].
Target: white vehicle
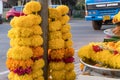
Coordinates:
[1,11]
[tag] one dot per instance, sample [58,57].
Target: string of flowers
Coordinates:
[56,45]
[60,45]
[66,36]
[24,58]
[105,53]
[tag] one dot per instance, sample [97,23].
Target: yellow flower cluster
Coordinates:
[25,57]
[107,53]
[60,44]
[32,7]
[116,18]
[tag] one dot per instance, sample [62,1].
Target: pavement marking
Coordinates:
[4,72]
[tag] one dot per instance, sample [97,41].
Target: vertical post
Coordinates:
[44,25]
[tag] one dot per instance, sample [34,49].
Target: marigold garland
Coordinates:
[38,64]
[54,14]
[13,64]
[69,52]
[70,75]
[57,65]
[69,66]
[24,21]
[35,18]
[20,42]
[65,28]
[37,30]
[19,32]
[68,43]
[20,53]
[63,9]
[67,35]
[58,75]
[36,40]
[56,54]
[55,35]
[111,58]
[55,25]
[53,44]
[37,51]
[64,19]
[24,59]
[32,7]
[13,76]
[37,73]
[12,22]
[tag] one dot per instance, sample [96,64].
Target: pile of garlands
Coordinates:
[61,66]
[24,57]
[104,53]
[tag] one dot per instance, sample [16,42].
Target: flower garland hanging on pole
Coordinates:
[24,58]
[60,45]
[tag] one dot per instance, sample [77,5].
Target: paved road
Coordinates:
[81,30]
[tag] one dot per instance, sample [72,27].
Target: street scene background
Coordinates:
[82,34]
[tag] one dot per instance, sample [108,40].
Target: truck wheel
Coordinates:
[97,25]
[1,21]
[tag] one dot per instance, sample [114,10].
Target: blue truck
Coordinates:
[101,11]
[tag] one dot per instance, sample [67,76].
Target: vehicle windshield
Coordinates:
[18,8]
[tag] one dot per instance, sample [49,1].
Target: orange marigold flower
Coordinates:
[56,54]
[69,52]
[37,51]
[12,64]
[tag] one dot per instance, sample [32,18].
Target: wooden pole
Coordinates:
[44,25]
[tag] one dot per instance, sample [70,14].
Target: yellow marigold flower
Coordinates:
[57,65]
[37,30]
[56,54]
[69,66]
[68,43]
[20,53]
[65,28]
[36,19]
[67,35]
[55,35]
[64,19]
[84,51]
[63,9]
[19,32]
[116,18]
[32,7]
[56,44]
[13,76]
[20,42]
[58,75]
[12,64]
[36,40]
[37,51]
[24,21]
[13,22]
[55,25]
[37,73]
[69,52]
[38,64]
[70,75]
[54,14]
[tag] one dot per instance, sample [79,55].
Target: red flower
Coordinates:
[96,48]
